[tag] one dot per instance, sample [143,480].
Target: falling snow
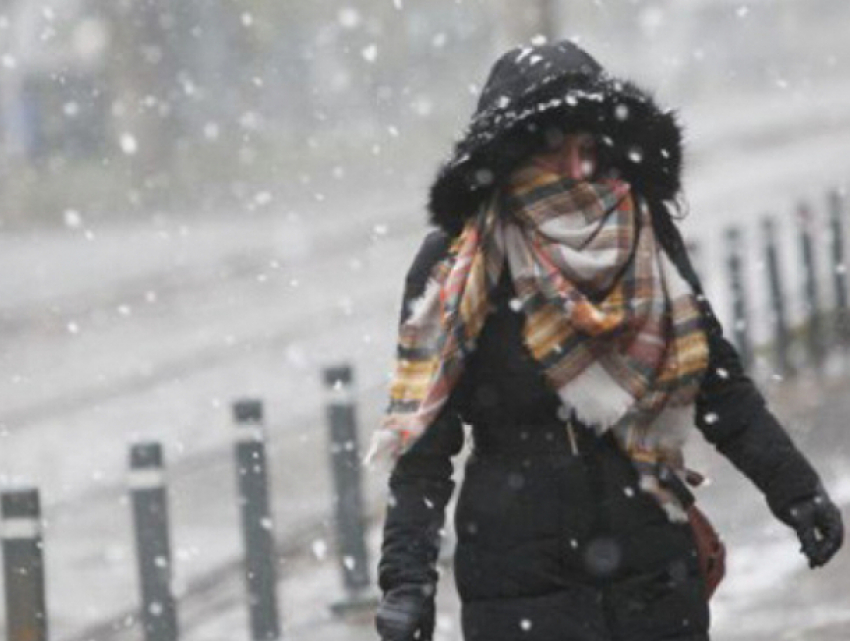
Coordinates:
[128,144]
[202,206]
[370,53]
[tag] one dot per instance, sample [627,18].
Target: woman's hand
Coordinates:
[406,613]
[818,523]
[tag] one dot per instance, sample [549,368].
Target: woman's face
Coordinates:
[573,156]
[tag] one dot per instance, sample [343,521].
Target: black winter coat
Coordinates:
[555,540]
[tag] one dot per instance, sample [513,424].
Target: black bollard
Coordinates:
[814,326]
[839,267]
[258,534]
[781,336]
[23,566]
[348,496]
[740,317]
[153,548]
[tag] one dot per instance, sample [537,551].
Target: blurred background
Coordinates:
[203,200]
[122,109]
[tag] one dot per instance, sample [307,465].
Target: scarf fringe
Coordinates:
[385,445]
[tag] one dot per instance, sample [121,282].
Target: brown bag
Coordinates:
[711,551]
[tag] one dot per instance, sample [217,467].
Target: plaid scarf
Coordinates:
[614,326]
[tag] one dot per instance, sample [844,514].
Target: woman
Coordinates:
[556,312]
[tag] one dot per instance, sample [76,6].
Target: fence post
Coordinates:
[153,548]
[348,496]
[740,319]
[814,333]
[781,338]
[23,566]
[839,267]
[258,534]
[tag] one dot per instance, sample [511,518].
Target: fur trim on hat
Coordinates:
[636,136]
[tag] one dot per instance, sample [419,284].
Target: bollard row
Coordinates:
[22,536]
[821,329]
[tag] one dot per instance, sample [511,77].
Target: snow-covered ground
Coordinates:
[151,330]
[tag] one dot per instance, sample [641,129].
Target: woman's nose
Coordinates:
[575,163]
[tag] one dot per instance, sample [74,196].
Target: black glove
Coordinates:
[406,613]
[819,527]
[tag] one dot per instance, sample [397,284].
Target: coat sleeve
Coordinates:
[733,416]
[420,484]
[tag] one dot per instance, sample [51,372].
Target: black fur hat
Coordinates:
[534,90]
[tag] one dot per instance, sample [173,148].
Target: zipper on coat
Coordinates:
[571,437]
